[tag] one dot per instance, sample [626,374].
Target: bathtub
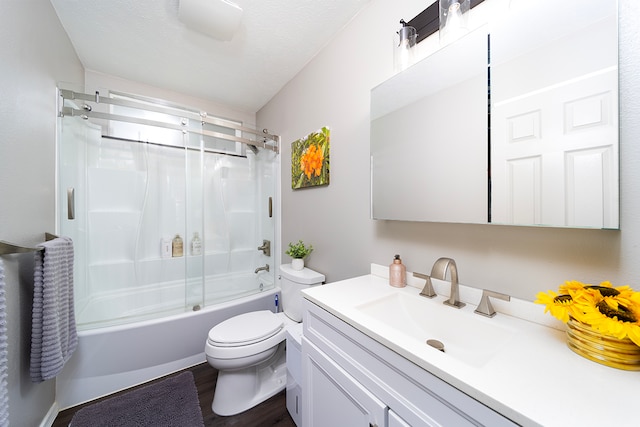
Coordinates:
[114,358]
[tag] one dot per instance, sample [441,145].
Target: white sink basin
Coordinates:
[466,336]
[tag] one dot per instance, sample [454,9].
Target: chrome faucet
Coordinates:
[259,269]
[439,271]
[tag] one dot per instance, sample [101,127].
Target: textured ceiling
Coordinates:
[144,41]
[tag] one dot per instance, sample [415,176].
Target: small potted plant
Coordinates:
[298,252]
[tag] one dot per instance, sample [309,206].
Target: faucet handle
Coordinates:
[265,248]
[427,291]
[485,308]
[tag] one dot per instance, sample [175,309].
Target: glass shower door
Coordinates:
[130,201]
[144,178]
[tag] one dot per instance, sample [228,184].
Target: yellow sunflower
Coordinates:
[612,311]
[616,320]
[571,286]
[560,306]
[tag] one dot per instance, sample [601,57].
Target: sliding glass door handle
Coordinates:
[71,203]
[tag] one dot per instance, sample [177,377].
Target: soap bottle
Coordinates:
[177,246]
[397,273]
[196,244]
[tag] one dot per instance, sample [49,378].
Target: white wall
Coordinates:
[36,54]
[333,90]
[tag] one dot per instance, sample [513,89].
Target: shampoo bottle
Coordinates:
[397,273]
[177,246]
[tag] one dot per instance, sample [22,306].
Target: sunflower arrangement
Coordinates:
[611,311]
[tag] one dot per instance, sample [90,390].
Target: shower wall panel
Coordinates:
[131,195]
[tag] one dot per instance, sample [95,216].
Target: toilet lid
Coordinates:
[246,329]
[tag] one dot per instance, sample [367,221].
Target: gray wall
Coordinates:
[333,90]
[36,54]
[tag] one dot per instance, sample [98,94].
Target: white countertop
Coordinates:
[534,380]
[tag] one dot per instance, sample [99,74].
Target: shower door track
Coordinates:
[159,144]
[268,141]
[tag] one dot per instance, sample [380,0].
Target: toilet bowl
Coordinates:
[249,350]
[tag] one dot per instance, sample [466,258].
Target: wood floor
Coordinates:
[273,412]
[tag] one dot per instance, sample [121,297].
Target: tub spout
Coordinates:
[259,269]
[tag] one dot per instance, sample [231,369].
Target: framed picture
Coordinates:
[310,160]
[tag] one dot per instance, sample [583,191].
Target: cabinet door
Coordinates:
[396,421]
[334,398]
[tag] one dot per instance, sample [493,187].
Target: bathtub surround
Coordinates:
[170,402]
[143,175]
[53,330]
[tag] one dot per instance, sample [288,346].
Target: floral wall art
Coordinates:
[310,160]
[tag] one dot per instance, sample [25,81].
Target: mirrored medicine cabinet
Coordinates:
[515,123]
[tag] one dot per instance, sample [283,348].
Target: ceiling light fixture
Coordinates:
[219,19]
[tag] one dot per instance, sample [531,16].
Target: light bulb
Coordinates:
[453,19]
[404,52]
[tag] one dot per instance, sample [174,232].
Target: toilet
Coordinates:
[249,350]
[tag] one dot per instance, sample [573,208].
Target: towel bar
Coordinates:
[7,248]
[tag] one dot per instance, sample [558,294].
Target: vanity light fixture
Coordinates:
[427,22]
[404,52]
[454,19]
[219,19]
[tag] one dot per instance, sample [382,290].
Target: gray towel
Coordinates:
[4,370]
[53,329]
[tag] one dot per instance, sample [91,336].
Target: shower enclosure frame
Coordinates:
[173,117]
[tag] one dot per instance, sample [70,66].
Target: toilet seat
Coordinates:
[245,329]
[258,332]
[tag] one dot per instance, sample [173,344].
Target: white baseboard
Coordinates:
[51,416]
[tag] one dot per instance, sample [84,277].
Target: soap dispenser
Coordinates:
[196,244]
[397,273]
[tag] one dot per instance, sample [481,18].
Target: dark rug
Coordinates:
[168,403]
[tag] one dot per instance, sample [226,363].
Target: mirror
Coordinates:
[421,121]
[552,153]
[554,114]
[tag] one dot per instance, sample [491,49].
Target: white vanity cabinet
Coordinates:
[350,379]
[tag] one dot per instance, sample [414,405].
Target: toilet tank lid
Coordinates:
[306,276]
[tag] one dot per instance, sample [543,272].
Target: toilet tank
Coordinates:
[292,282]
